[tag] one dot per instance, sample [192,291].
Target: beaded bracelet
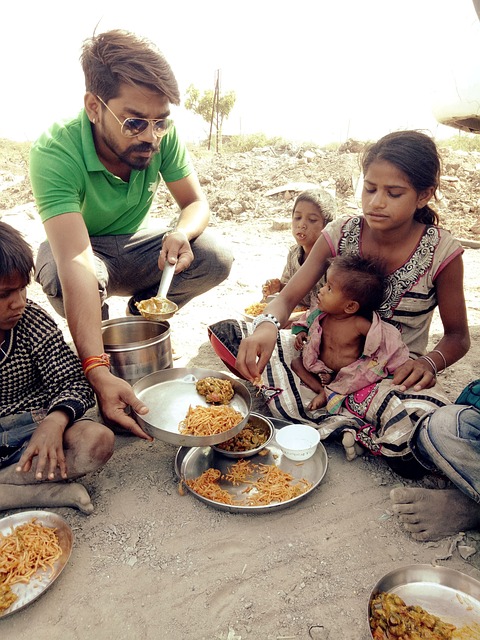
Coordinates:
[431,363]
[267,317]
[95,361]
[443,358]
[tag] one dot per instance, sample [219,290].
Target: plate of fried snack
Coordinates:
[425,602]
[34,548]
[192,407]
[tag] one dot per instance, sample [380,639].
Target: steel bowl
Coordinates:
[452,596]
[169,393]
[136,346]
[259,421]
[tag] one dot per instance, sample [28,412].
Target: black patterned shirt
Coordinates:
[39,371]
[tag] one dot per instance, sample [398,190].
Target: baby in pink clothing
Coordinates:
[345,345]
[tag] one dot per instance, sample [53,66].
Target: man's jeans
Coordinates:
[127,265]
[449,440]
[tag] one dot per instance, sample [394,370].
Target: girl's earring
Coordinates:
[94,121]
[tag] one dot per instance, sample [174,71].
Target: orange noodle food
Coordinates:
[255,309]
[7,597]
[250,437]
[208,421]
[390,618]
[29,548]
[274,485]
[215,390]
[265,484]
[207,486]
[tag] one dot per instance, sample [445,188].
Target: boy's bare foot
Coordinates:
[70,494]
[432,514]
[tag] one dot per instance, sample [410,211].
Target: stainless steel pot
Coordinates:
[137,347]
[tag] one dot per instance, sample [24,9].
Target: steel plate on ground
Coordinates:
[191,463]
[452,596]
[169,393]
[41,580]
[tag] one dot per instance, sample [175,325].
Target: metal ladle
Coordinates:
[160,307]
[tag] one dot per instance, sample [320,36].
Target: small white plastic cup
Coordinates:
[298,441]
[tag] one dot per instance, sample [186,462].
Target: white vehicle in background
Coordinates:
[457,100]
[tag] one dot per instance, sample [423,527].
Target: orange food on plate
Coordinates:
[255,309]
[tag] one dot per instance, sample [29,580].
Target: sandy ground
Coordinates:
[152,564]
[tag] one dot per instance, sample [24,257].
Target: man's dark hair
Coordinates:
[119,57]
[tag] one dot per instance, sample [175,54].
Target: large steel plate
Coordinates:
[452,596]
[41,580]
[191,463]
[170,392]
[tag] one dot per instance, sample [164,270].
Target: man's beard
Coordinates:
[125,156]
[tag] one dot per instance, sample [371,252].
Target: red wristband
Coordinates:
[95,361]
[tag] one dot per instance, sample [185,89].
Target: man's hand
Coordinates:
[114,395]
[176,249]
[46,444]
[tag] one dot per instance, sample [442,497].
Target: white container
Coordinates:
[298,441]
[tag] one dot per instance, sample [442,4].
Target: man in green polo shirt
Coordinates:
[94,179]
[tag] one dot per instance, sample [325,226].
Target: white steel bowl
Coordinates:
[298,441]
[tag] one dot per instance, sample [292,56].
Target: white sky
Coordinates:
[311,70]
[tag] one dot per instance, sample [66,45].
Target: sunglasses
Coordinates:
[132,127]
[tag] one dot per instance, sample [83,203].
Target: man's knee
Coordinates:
[46,272]
[217,259]
[459,420]
[224,263]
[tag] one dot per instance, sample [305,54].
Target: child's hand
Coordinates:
[271,286]
[46,444]
[300,340]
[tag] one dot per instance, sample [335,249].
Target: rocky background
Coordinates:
[150,564]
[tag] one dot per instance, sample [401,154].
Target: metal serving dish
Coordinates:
[41,580]
[190,463]
[452,596]
[258,421]
[169,394]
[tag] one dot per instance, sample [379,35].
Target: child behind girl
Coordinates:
[313,209]
[345,345]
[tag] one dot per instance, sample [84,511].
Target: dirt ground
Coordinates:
[152,564]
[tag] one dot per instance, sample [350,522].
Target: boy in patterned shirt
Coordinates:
[43,395]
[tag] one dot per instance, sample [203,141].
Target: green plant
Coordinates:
[212,107]
[462,142]
[244,143]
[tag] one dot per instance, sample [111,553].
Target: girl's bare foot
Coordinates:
[70,494]
[432,514]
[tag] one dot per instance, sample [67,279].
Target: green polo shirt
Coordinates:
[67,176]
